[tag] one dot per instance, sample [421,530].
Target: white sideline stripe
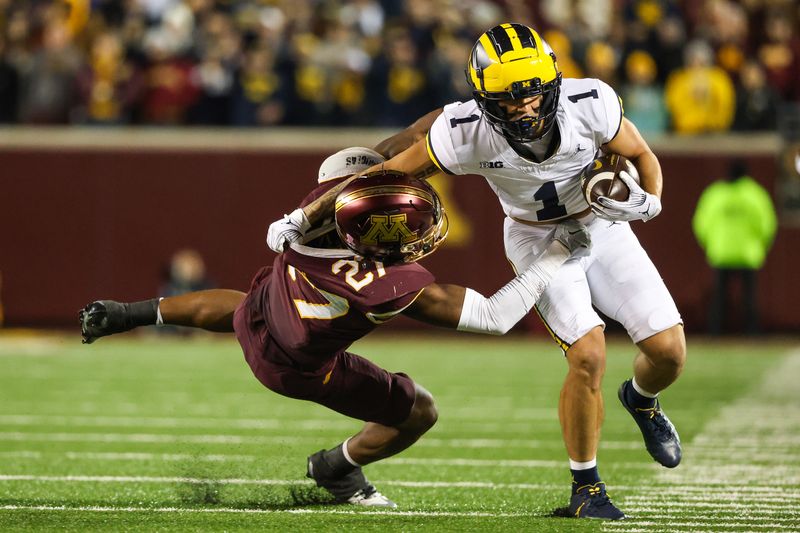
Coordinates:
[218,422]
[238,481]
[718,514]
[281,439]
[472,514]
[145,456]
[705,518]
[183,422]
[749,506]
[723,497]
[676,529]
[98,509]
[411,484]
[669,524]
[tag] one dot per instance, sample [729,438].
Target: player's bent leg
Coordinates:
[376,441]
[658,364]
[338,470]
[661,359]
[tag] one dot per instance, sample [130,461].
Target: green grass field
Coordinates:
[175,434]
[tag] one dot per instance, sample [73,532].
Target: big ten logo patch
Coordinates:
[388,228]
[491,164]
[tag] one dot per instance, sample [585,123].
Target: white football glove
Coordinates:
[574,236]
[291,228]
[640,205]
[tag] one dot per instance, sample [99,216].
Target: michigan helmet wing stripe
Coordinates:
[524,35]
[501,40]
[433,157]
[489,48]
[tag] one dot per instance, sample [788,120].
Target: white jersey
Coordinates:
[589,115]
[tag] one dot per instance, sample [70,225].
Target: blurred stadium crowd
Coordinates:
[690,66]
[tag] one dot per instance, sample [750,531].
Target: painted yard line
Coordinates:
[707,518]
[144,456]
[711,456]
[238,481]
[241,481]
[221,510]
[132,456]
[721,515]
[668,525]
[182,422]
[762,419]
[473,413]
[681,492]
[788,507]
[718,497]
[658,529]
[630,528]
[763,440]
[231,423]
[280,439]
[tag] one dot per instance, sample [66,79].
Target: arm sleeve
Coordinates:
[440,143]
[498,314]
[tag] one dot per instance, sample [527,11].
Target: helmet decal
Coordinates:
[388,228]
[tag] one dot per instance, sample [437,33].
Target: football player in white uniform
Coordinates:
[530,134]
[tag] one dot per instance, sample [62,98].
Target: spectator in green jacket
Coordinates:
[735,225]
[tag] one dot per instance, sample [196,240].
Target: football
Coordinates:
[601,178]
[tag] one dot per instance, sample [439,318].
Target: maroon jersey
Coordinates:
[321,301]
[314,302]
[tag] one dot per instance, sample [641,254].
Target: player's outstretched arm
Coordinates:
[292,227]
[400,142]
[453,306]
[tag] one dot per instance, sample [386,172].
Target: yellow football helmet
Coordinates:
[510,62]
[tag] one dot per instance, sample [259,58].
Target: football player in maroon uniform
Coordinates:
[303,312]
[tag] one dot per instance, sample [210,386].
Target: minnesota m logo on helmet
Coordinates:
[512,62]
[388,228]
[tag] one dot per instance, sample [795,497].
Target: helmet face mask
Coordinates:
[511,62]
[391,217]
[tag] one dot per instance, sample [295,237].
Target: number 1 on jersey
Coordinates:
[551,209]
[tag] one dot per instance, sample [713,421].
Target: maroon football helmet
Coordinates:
[390,216]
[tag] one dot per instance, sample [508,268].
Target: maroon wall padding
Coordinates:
[87,224]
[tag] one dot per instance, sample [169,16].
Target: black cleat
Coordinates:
[351,488]
[104,317]
[660,437]
[591,501]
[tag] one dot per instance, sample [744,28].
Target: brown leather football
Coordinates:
[601,178]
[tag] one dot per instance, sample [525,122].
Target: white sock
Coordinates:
[641,391]
[582,465]
[347,454]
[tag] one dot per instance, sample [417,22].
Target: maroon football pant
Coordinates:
[347,383]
